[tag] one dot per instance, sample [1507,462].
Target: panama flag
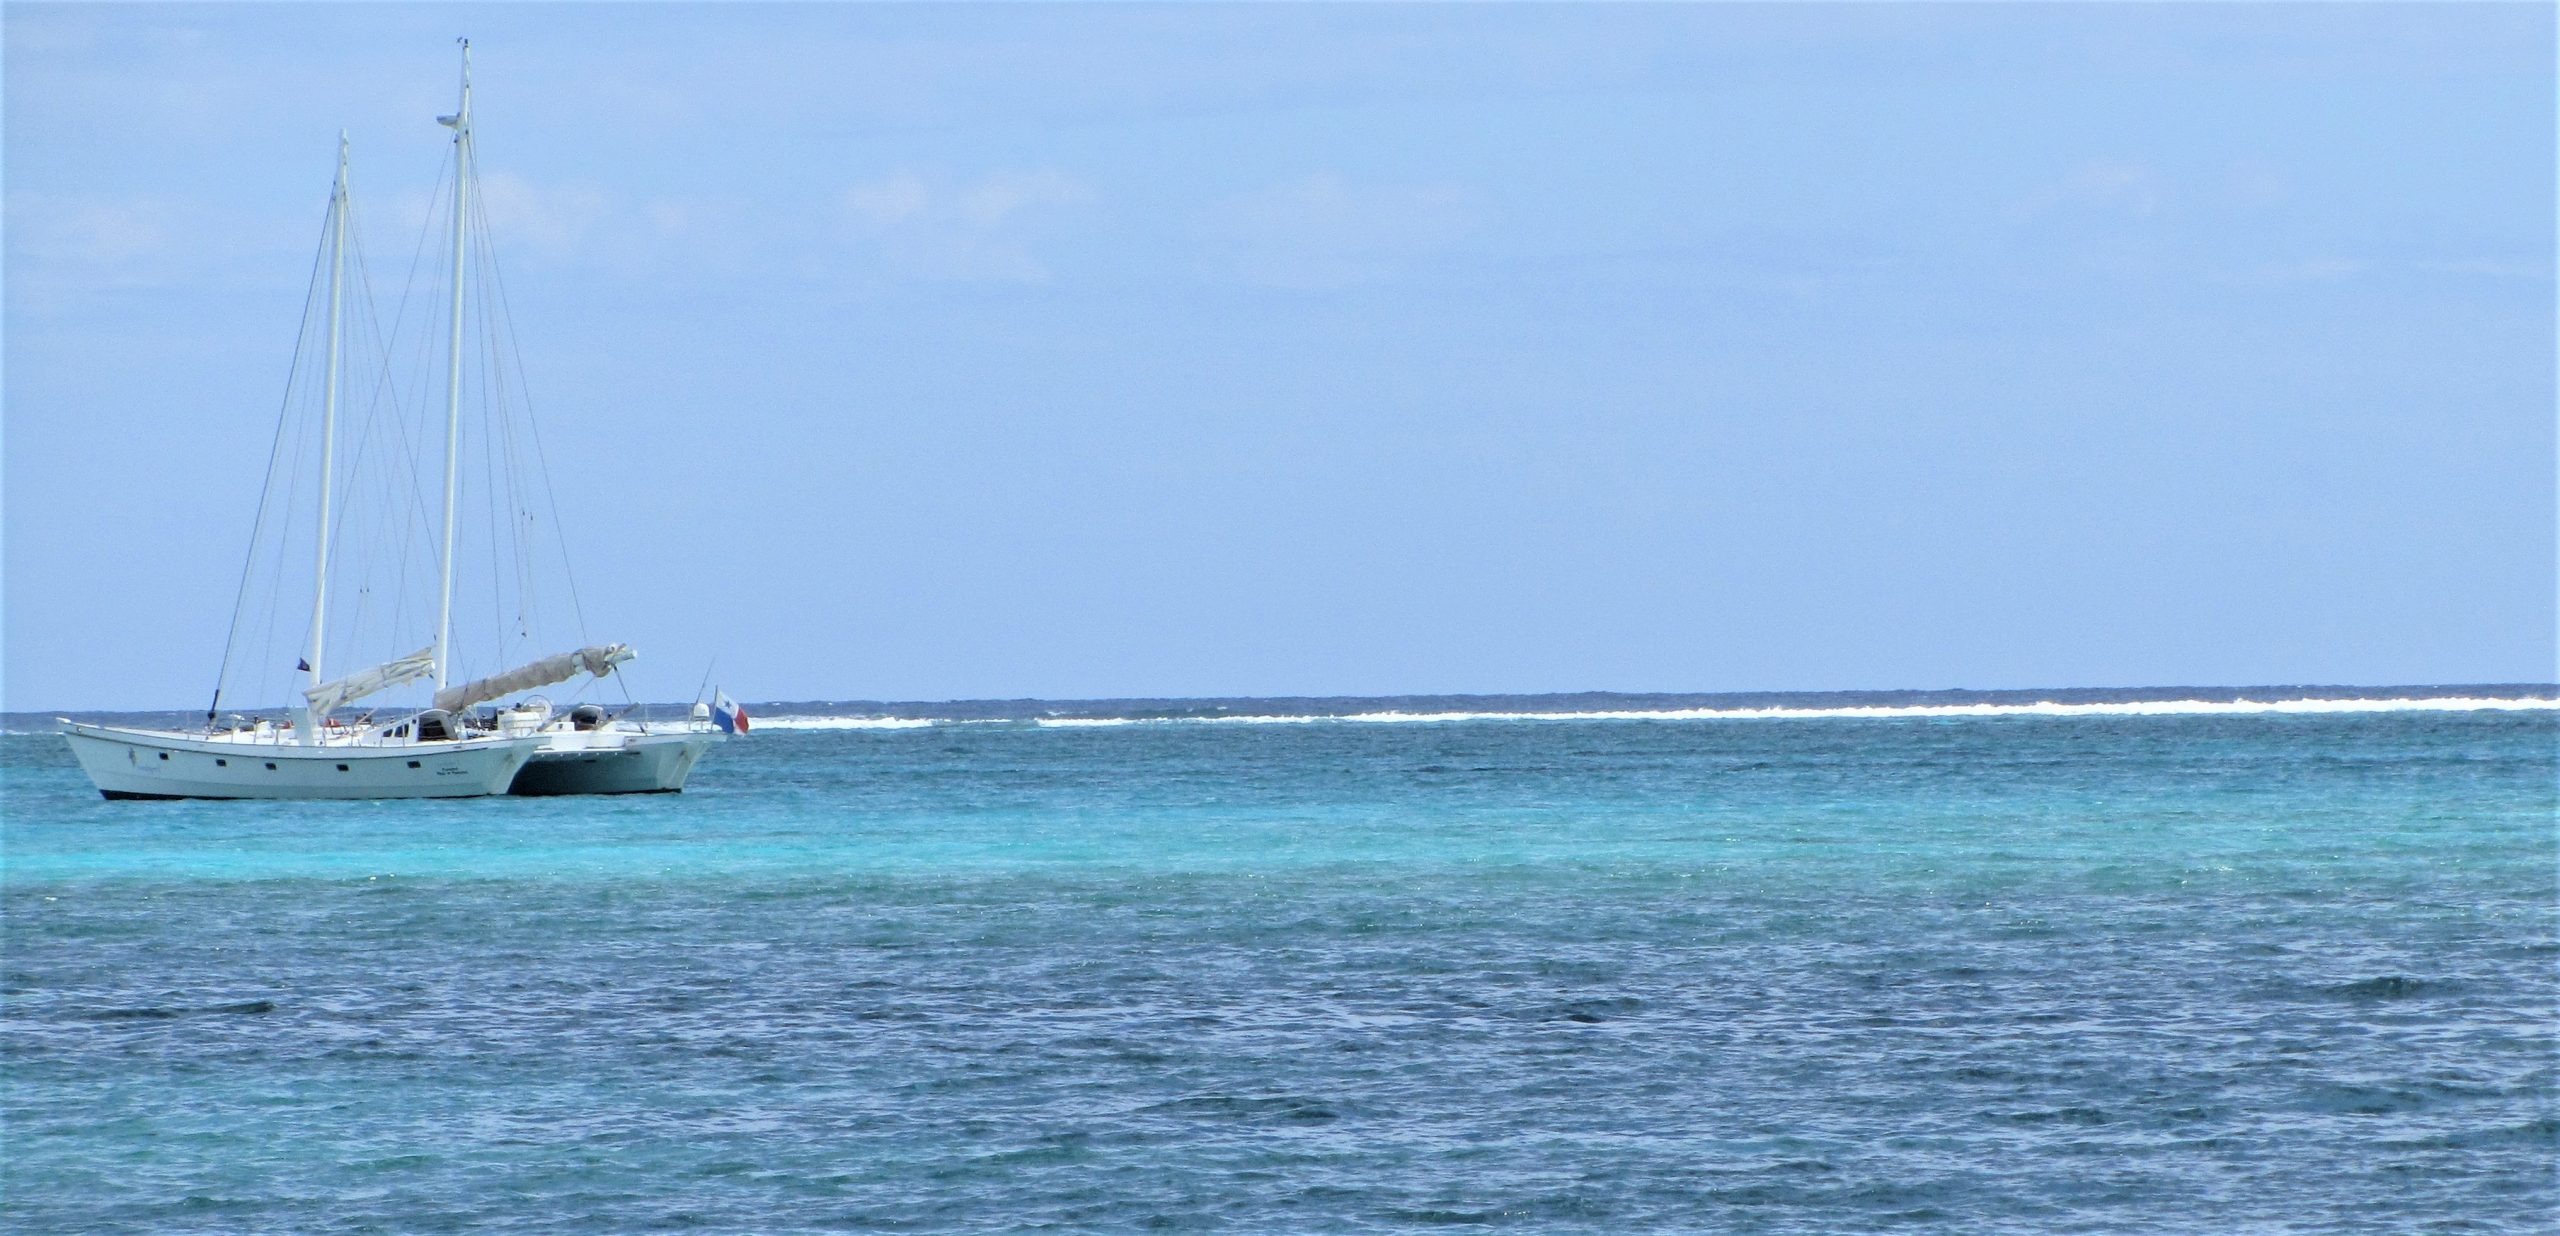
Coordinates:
[728,714]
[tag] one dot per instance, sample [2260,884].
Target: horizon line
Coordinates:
[2548,688]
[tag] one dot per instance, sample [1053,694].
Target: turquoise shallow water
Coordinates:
[1962,974]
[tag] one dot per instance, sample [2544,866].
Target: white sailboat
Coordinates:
[585,750]
[428,754]
[447,749]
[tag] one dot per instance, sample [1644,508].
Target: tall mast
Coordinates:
[329,404]
[460,123]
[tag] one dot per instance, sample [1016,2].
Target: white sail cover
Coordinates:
[329,695]
[598,660]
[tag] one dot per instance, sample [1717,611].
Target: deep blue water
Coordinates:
[2184,972]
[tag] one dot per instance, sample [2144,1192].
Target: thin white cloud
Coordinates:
[550,221]
[961,231]
[63,248]
[2255,182]
[992,201]
[2487,268]
[889,202]
[671,219]
[2326,269]
[577,225]
[1324,231]
[96,231]
[2340,269]
[2109,185]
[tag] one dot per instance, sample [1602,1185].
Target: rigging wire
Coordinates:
[489,497]
[421,371]
[384,461]
[533,427]
[384,390]
[257,526]
[371,535]
[498,449]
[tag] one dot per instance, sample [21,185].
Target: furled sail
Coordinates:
[356,686]
[598,660]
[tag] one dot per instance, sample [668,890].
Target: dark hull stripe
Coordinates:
[521,790]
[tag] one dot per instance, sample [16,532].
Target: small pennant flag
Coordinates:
[728,714]
[303,664]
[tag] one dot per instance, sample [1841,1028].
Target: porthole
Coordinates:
[222,763]
[271,766]
[413,763]
[342,768]
[164,755]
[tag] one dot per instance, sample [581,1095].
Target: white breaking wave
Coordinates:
[836,723]
[1844,712]
[2127,708]
[1849,712]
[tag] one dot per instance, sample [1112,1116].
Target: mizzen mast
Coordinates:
[329,405]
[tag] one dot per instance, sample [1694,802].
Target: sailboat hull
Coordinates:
[129,763]
[606,762]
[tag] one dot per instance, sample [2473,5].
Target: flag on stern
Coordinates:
[728,714]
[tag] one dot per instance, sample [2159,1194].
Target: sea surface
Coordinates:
[2271,959]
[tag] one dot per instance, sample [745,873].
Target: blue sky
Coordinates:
[955,351]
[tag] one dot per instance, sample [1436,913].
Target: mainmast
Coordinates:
[460,123]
